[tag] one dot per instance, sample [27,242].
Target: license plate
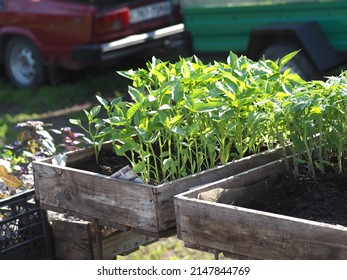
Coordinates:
[149,12]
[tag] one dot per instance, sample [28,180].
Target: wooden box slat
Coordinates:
[76,240]
[72,240]
[255,234]
[122,204]
[122,243]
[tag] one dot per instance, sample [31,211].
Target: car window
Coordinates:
[1,4]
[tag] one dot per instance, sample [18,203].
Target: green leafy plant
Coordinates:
[317,124]
[189,116]
[96,128]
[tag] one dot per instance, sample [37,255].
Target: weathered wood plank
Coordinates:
[123,243]
[97,196]
[123,204]
[72,240]
[77,240]
[252,233]
[222,177]
[260,235]
[240,179]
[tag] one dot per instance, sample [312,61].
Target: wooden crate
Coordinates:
[122,204]
[217,227]
[79,240]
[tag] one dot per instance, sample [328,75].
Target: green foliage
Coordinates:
[317,122]
[189,116]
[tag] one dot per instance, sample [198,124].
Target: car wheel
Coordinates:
[24,63]
[300,64]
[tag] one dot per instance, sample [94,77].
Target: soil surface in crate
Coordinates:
[108,163]
[323,199]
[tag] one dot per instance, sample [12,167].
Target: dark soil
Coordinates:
[108,163]
[323,199]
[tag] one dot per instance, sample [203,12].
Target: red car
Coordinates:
[36,36]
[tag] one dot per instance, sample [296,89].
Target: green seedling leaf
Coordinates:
[168,164]
[122,149]
[127,74]
[295,78]
[135,94]
[163,117]
[165,107]
[152,98]
[281,94]
[95,111]
[114,120]
[206,107]
[104,132]
[283,61]
[75,122]
[232,59]
[89,116]
[185,70]
[161,78]
[99,146]
[102,101]
[176,119]
[116,101]
[164,154]
[178,130]
[139,167]
[132,110]
[99,124]
[227,90]
[287,88]
[315,110]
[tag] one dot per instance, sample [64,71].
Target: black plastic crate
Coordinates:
[24,229]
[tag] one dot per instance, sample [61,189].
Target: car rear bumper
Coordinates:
[172,36]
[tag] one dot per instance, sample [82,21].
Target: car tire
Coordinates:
[300,64]
[24,64]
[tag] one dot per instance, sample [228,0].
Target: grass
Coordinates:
[167,249]
[55,104]
[75,89]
